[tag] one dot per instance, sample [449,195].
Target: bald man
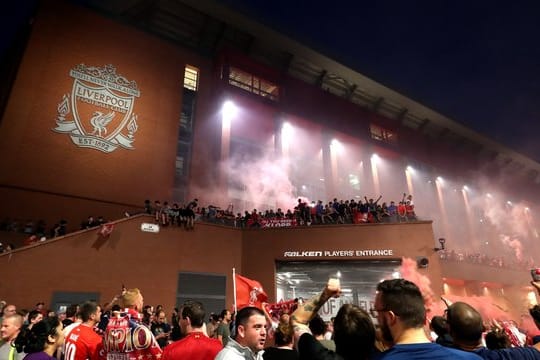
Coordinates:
[466,326]
[11,326]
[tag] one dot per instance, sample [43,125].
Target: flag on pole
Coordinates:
[249,292]
[106,229]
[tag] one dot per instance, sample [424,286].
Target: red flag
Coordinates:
[249,293]
[106,229]
[282,307]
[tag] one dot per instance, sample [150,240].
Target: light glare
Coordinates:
[229,110]
[286,132]
[336,146]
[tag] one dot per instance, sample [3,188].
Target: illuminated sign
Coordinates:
[339,253]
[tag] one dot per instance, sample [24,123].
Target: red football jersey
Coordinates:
[126,339]
[195,346]
[83,343]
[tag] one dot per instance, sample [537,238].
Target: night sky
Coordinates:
[475,62]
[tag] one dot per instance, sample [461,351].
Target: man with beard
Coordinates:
[161,329]
[401,313]
[195,345]
[248,343]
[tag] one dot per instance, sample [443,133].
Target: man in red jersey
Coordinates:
[82,342]
[126,338]
[196,345]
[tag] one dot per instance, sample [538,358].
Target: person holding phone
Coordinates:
[161,329]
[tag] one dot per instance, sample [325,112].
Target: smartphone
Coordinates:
[535,274]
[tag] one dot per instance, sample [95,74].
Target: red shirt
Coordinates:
[127,339]
[83,343]
[195,346]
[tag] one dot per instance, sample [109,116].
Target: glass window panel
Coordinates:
[381,134]
[191,77]
[358,279]
[253,84]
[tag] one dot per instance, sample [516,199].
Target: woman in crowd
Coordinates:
[42,340]
[283,349]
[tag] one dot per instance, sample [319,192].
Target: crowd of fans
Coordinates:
[314,213]
[395,328]
[38,231]
[37,228]
[172,215]
[514,262]
[302,214]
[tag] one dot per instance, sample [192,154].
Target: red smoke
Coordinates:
[489,307]
[408,272]
[514,244]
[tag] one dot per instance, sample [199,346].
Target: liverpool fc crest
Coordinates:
[101,104]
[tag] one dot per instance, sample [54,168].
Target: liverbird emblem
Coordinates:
[98,114]
[100,122]
[254,295]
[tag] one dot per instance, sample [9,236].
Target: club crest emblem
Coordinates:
[100,108]
[254,295]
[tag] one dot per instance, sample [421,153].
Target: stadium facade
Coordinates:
[112,103]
